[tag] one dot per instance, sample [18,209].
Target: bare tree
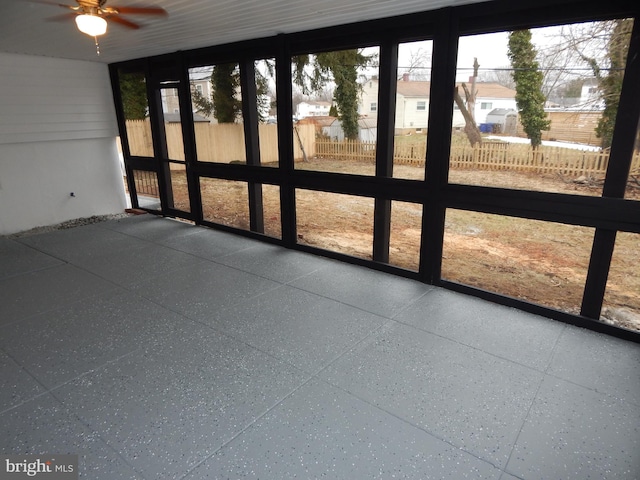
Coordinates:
[418,65]
[572,53]
[502,76]
[467,107]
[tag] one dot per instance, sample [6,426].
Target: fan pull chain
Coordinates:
[97,46]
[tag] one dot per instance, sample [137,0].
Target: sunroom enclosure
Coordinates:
[428,222]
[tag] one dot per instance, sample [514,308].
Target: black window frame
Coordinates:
[608,214]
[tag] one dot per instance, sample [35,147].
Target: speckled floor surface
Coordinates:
[159,350]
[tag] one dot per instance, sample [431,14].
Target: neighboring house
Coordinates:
[590,95]
[313,108]
[412,103]
[590,90]
[367,130]
[170,103]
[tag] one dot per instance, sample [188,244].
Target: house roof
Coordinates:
[494,90]
[501,112]
[485,89]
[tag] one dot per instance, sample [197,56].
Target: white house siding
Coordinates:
[409,118]
[369,97]
[313,109]
[57,135]
[412,117]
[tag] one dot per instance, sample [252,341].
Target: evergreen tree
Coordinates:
[225,104]
[528,79]
[341,67]
[133,90]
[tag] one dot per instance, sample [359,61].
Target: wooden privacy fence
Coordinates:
[570,126]
[220,143]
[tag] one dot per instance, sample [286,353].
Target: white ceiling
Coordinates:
[24,27]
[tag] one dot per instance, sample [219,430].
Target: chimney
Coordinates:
[405,77]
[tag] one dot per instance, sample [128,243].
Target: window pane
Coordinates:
[573,96]
[225,202]
[632,191]
[335,128]
[622,297]
[172,123]
[267,128]
[217,107]
[412,109]
[179,186]
[271,209]
[147,189]
[133,89]
[406,228]
[541,262]
[336,222]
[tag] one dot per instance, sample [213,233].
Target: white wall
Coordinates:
[57,136]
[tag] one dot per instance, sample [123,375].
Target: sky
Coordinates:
[490,50]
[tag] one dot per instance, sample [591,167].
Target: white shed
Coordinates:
[367,130]
[505,118]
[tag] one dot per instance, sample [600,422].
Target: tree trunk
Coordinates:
[470,127]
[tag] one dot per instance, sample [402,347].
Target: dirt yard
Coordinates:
[537,261]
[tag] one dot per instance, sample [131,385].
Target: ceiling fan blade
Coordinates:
[139,10]
[124,22]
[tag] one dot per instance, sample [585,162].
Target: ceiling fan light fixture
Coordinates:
[92,25]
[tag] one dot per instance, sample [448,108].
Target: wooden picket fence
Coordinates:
[225,143]
[523,158]
[488,156]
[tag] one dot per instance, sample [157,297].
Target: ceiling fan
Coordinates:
[91,15]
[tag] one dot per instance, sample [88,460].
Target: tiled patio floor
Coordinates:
[159,350]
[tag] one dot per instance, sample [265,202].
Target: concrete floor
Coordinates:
[159,350]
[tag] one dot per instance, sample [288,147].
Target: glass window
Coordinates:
[225,202]
[622,297]
[541,121]
[271,210]
[411,116]
[632,191]
[217,114]
[133,90]
[172,123]
[179,186]
[406,229]
[336,222]
[347,79]
[267,127]
[541,262]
